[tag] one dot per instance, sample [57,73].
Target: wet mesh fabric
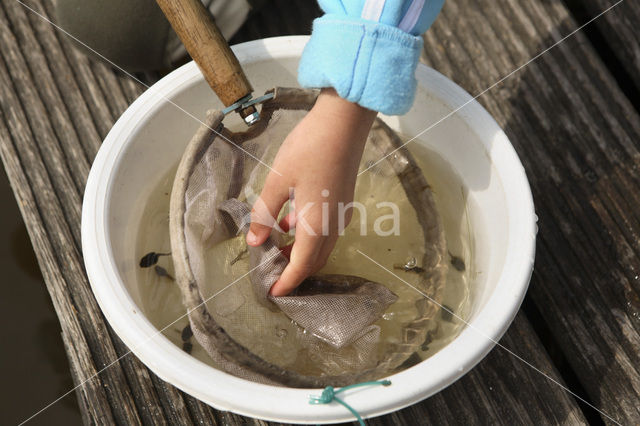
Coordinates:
[327,331]
[334,308]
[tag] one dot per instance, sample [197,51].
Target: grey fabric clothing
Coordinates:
[134,34]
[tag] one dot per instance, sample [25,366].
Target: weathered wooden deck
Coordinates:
[573,116]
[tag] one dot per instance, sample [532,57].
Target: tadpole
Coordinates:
[163,272]
[414,359]
[151,259]
[457,263]
[239,256]
[187,347]
[446,313]
[186,333]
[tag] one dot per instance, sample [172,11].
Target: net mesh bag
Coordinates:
[328,331]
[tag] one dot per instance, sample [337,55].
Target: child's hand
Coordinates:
[319,162]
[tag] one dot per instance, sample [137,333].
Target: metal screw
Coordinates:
[252,119]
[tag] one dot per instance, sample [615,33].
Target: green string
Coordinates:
[329,395]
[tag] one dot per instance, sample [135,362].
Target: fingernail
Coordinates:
[271,289]
[252,239]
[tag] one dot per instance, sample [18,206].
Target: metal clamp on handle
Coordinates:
[245,103]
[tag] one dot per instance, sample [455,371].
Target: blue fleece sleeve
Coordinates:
[368,50]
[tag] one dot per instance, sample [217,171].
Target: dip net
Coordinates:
[332,330]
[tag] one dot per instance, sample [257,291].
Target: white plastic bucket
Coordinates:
[150,137]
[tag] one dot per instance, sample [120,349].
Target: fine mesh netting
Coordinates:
[330,330]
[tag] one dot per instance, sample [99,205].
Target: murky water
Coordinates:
[451,199]
[226,263]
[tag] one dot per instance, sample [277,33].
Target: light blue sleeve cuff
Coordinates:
[368,63]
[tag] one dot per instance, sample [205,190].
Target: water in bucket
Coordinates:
[162,299]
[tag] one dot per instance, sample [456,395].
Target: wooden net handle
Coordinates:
[208,48]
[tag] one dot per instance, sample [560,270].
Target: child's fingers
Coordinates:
[327,248]
[265,211]
[302,264]
[288,222]
[286,251]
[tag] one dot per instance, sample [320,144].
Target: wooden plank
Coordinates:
[113,395]
[618,29]
[52,273]
[80,66]
[107,94]
[500,390]
[128,392]
[578,137]
[45,168]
